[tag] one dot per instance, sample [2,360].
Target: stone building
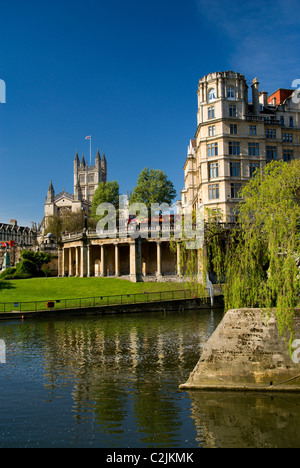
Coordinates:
[86,180]
[234,138]
[14,239]
[20,235]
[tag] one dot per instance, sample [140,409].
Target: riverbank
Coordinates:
[38,289]
[131,308]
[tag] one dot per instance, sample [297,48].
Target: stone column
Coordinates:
[70,262]
[132,262]
[117,260]
[159,260]
[135,260]
[178,260]
[102,262]
[88,267]
[63,262]
[59,263]
[83,266]
[77,260]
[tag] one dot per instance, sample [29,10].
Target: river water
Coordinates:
[112,382]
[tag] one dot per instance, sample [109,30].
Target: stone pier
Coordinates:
[246,353]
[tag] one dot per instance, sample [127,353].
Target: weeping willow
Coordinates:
[196,261]
[259,257]
[262,255]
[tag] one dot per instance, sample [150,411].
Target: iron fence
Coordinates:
[97,301]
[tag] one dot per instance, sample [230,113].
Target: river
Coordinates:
[112,382]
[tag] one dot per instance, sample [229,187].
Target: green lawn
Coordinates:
[59,289]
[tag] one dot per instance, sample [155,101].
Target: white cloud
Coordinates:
[263,37]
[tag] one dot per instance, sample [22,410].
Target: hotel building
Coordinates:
[236,137]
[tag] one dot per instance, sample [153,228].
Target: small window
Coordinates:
[211,112]
[212,150]
[235,169]
[232,111]
[233,129]
[213,192]
[234,148]
[230,93]
[288,155]
[291,121]
[213,170]
[253,149]
[271,153]
[211,94]
[212,130]
[253,167]
[270,134]
[235,190]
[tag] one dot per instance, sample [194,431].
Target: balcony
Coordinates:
[257,118]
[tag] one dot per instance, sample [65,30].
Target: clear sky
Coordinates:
[125,72]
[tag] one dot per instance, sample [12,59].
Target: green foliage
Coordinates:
[7,272]
[259,258]
[67,222]
[31,265]
[261,266]
[106,192]
[27,267]
[153,186]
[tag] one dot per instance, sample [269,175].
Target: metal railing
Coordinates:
[97,301]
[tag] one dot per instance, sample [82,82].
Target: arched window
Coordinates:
[211,94]
[230,93]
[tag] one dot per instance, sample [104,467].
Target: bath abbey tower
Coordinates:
[86,180]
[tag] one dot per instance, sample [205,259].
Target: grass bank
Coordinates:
[40,289]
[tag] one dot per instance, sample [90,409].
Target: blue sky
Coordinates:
[125,72]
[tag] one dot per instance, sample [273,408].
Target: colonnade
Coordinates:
[135,258]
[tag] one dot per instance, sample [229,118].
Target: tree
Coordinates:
[261,265]
[67,222]
[153,186]
[32,263]
[106,192]
[259,258]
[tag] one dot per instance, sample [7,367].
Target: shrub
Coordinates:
[27,267]
[16,276]
[7,272]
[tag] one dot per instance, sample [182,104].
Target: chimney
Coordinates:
[13,222]
[263,98]
[255,96]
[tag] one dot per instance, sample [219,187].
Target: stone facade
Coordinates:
[246,353]
[234,138]
[20,235]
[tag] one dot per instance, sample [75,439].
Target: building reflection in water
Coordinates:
[126,367]
[246,420]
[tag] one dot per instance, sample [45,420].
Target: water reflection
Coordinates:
[113,382]
[247,420]
[122,374]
